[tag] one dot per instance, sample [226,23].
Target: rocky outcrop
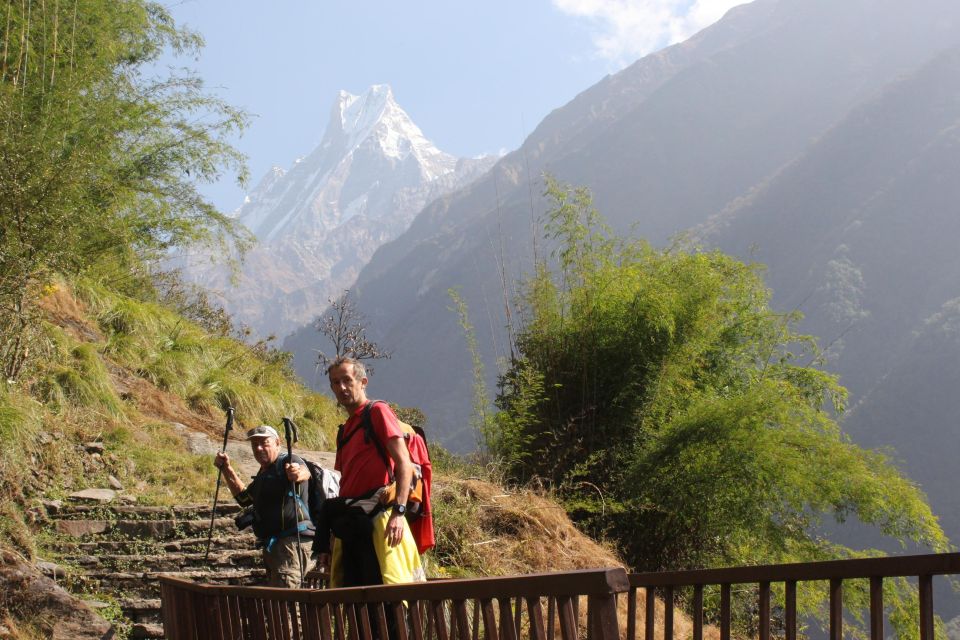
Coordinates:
[58,614]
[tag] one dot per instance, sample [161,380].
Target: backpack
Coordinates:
[418,512]
[323,484]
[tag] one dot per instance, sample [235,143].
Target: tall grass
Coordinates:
[209,373]
[75,377]
[20,426]
[157,464]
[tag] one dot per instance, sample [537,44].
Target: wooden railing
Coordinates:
[540,606]
[666,585]
[441,610]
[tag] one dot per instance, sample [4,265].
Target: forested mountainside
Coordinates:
[822,134]
[857,234]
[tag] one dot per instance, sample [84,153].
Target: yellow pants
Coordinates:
[398,564]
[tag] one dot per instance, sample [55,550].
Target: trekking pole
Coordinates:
[216,495]
[290,431]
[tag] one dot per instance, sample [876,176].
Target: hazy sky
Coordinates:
[475,75]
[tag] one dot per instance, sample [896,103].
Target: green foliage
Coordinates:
[512,430]
[660,394]
[19,423]
[157,453]
[20,427]
[99,158]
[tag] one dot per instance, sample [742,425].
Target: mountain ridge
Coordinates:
[859,234]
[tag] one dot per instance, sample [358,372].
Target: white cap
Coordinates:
[263,431]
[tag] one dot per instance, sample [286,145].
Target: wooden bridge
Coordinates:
[599,604]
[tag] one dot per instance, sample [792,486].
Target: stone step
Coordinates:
[122,550]
[141,630]
[228,540]
[218,559]
[134,512]
[142,610]
[214,577]
[145,584]
[165,529]
[223,539]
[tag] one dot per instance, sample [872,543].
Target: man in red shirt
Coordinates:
[362,474]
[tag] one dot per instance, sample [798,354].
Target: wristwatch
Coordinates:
[399,508]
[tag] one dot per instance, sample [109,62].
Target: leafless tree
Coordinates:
[346,329]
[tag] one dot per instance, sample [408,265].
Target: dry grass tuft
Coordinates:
[524,531]
[484,529]
[157,404]
[63,309]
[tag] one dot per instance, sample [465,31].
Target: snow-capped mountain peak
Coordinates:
[365,134]
[358,113]
[319,221]
[376,116]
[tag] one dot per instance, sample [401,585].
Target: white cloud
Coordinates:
[629,29]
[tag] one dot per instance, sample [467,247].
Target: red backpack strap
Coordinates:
[369,435]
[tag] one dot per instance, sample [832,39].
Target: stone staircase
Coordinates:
[117,552]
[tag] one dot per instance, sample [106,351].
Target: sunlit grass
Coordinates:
[209,373]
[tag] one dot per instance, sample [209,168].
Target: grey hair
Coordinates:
[359,370]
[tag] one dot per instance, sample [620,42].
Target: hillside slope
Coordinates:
[124,396]
[127,399]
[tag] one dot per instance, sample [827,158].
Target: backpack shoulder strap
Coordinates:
[370,435]
[342,441]
[278,464]
[282,460]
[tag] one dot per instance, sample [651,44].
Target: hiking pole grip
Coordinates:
[290,431]
[216,494]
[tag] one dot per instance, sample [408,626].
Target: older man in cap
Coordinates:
[280,516]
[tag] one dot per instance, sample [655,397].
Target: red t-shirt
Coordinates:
[360,465]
